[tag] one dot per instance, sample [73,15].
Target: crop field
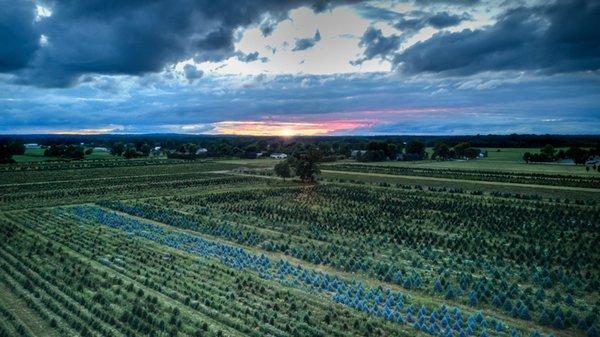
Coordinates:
[162,247]
[577,180]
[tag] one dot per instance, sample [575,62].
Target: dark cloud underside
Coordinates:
[562,37]
[19,37]
[125,37]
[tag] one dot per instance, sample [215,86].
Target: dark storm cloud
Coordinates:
[303,44]
[561,37]
[125,37]
[19,38]
[377,45]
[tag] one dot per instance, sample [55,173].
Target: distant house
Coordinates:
[279,155]
[32,146]
[157,148]
[201,151]
[357,153]
[101,149]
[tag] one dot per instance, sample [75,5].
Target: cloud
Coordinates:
[376,13]
[417,20]
[125,37]
[250,57]
[270,21]
[448,2]
[192,73]
[445,19]
[377,45]
[306,43]
[556,38]
[18,33]
[385,47]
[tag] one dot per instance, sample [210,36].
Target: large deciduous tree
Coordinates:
[305,164]
[283,170]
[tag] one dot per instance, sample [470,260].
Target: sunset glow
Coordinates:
[287,129]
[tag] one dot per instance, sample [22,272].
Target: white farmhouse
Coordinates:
[279,155]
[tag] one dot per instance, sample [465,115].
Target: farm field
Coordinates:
[37,154]
[507,159]
[176,248]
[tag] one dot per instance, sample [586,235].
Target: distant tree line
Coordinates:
[549,154]
[353,142]
[10,149]
[463,150]
[332,148]
[131,150]
[391,150]
[74,152]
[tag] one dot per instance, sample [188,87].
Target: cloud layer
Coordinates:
[369,67]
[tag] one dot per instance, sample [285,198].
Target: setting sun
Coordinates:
[287,132]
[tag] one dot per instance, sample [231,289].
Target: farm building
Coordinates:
[101,149]
[32,146]
[357,153]
[279,155]
[201,151]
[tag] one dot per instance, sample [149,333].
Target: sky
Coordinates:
[300,67]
